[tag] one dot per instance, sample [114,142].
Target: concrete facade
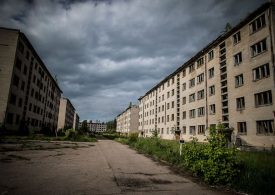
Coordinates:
[230,81]
[76,121]
[30,96]
[127,121]
[66,114]
[97,126]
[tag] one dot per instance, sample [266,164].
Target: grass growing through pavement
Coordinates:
[252,172]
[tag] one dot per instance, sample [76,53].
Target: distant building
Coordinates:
[66,114]
[230,81]
[76,121]
[127,121]
[96,126]
[29,94]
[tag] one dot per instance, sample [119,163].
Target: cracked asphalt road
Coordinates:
[105,167]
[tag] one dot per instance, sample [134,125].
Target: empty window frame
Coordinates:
[242,128]
[183,100]
[212,90]
[201,112]
[210,55]
[212,109]
[201,129]
[200,78]
[211,73]
[192,130]
[192,97]
[191,68]
[263,98]
[257,24]
[200,62]
[237,37]
[238,58]
[192,113]
[183,86]
[239,80]
[191,82]
[261,72]
[184,115]
[258,48]
[200,94]
[265,127]
[240,103]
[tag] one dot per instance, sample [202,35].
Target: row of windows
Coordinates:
[263,127]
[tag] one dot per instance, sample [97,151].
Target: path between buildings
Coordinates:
[105,167]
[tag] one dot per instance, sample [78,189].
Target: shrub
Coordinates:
[133,137]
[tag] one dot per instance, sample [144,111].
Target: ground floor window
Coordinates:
[192,130]
[265,127]
[242,128]
[201,129]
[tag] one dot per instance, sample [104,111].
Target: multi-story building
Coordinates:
[230,81]
[97,126]
[127,121]
[66,114]
[76,121]
[29,95]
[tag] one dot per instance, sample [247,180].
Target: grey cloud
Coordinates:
[108,53]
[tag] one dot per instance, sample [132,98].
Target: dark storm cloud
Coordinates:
[107,53]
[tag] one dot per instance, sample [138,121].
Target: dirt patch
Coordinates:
[160,181]
[9,158]
[132,182]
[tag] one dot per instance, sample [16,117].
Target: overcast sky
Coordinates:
[109,53]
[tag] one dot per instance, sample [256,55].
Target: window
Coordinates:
[192,83]
[162,97]
[201,129]
[200,94]
[173,92]
[192,113]
[162,119]
[18,64]
[183,86]
[28,55]
[261,72]
[192,97]
[15,80]
[239,80]
[173,80]
[240,103]
[265,127]
[168,83]
[212,90]
[20,102]
[263,98]
[200,62]
[184,73]
[192,130]
[200,111]
[183,100]
[162,108]
[167,118]
[21,47]
[184,115]
[168,94]
[172,117]
[200,78]
[210,55]
[212,109]
[184,130]
[238,58]
[10,118]
[172,104]
[13,99]
[211,73]
[25,70]
[191,68]
[168,106]
[22,85]
[258,48]
[242,128]
[237,37]
[257,24]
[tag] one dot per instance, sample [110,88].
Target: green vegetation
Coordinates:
[214,162]
[68,135]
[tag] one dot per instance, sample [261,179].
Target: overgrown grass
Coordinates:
[257,175]
[250,172]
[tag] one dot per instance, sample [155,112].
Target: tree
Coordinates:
[111,125]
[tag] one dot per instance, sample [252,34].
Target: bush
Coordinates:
[133,137]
